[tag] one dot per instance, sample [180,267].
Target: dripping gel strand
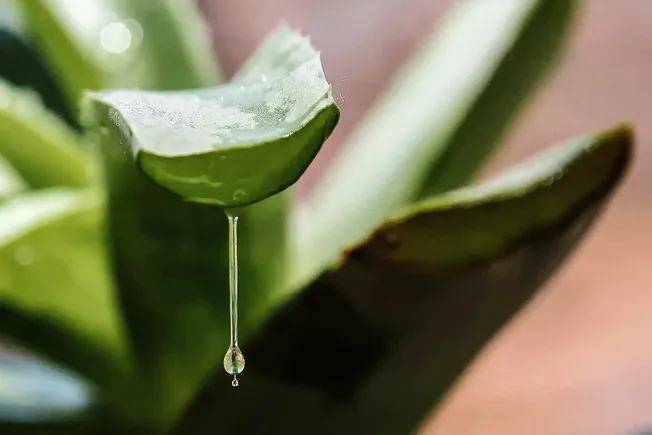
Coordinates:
[234,361]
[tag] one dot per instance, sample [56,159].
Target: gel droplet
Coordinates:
[234,362]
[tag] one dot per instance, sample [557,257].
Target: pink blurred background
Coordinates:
[578,359]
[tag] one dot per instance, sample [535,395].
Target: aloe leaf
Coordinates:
[173,29]
[231,145]
[169,252]
[436,125]
[55,292]
[40,147]
[32,391]
[375,343]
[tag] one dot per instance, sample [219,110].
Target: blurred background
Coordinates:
[578,359]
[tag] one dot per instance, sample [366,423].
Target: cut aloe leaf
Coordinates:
[170,260]
[230,145]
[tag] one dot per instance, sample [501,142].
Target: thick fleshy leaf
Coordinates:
[373,344]
[170,258]
[437,124]
[231,145]
[40,147]
[55,293]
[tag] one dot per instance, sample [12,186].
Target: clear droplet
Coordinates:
[234,362]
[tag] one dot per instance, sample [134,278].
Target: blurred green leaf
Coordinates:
[55,292]
[437,124]
[373,344]
[10,181]
[231,145]
[170,254]
[68,33]
[173,29]
[28,69]
[99,44]
[39,145]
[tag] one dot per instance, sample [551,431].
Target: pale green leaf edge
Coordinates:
[381,169]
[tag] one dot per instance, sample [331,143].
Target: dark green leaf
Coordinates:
[37,144]
[27,68]
[373,344]
[437,124]
[230,145]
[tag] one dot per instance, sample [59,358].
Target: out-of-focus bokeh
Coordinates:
[578,360]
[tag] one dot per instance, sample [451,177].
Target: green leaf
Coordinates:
[173,29]
[98,44]
[40,147]
[373,344]
[32,391]
[68,33]
[27,69]
[10,181]
[55,292]
[231,145]
[437,124]
[170,255]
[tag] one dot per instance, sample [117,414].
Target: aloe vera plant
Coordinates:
[359,308]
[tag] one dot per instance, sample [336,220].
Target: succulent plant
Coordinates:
[359,307]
